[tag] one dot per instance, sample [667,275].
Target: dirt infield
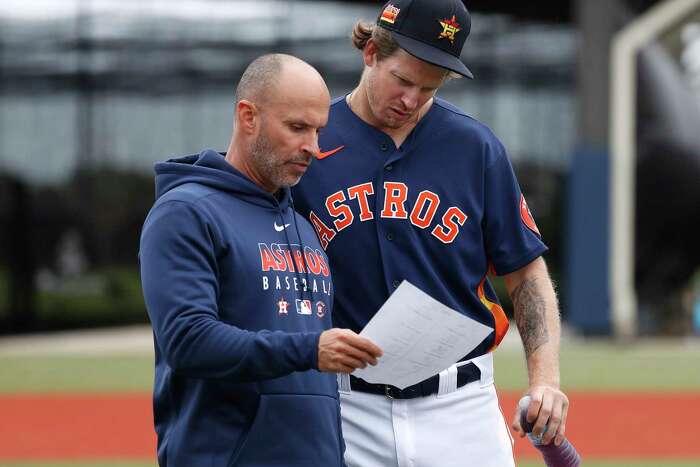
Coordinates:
[118,426]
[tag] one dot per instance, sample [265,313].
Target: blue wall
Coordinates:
[587,294]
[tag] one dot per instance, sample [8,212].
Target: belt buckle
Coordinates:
[387,391]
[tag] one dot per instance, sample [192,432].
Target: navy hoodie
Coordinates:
[238,291]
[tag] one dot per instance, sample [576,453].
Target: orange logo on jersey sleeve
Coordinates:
[526,216]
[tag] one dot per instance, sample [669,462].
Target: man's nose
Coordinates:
[310,145]
[410,99]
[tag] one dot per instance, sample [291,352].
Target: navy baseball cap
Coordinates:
[431,30]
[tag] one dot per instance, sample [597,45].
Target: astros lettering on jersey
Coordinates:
[440,211]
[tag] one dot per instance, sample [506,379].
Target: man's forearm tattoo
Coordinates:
[529,308]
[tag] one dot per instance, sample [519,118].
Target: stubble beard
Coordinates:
[263,157]
[384,120]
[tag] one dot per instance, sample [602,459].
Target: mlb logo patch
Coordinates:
[303,307]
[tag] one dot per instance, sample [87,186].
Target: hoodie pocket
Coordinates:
[292,431]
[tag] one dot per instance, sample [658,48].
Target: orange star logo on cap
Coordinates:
[450,27]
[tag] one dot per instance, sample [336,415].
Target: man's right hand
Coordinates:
[342,351]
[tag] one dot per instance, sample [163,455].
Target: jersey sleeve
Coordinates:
[511,236]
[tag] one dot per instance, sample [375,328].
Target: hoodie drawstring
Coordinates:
[307,287]
[301,246]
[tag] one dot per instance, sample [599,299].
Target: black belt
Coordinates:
[465,374]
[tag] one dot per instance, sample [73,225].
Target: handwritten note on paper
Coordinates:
[419,336]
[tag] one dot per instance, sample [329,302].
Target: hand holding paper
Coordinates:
[419,336]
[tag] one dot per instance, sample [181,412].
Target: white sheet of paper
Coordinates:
[420,337]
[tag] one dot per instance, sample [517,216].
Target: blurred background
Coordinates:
[597,102]
[93,92]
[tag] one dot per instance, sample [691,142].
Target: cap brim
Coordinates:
[432,55]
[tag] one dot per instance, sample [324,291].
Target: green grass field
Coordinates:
[654,366]
[586,366]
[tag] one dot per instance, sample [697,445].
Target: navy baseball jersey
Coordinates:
[440,211]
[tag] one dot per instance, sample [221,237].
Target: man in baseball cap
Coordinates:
[407,186]
[434,32]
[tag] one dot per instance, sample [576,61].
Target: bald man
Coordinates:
[239,292]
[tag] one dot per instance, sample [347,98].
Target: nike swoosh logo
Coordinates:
[280,228]
[323,155]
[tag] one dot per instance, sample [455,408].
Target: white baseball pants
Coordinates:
[458,427]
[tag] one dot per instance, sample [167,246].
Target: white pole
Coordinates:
[623,89]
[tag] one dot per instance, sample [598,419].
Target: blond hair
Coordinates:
[363,31]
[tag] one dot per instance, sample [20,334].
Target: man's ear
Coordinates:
[247,116]
[369,53]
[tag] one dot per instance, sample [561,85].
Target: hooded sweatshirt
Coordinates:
[238,291]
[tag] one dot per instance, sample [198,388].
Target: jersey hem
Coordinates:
[522,261]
